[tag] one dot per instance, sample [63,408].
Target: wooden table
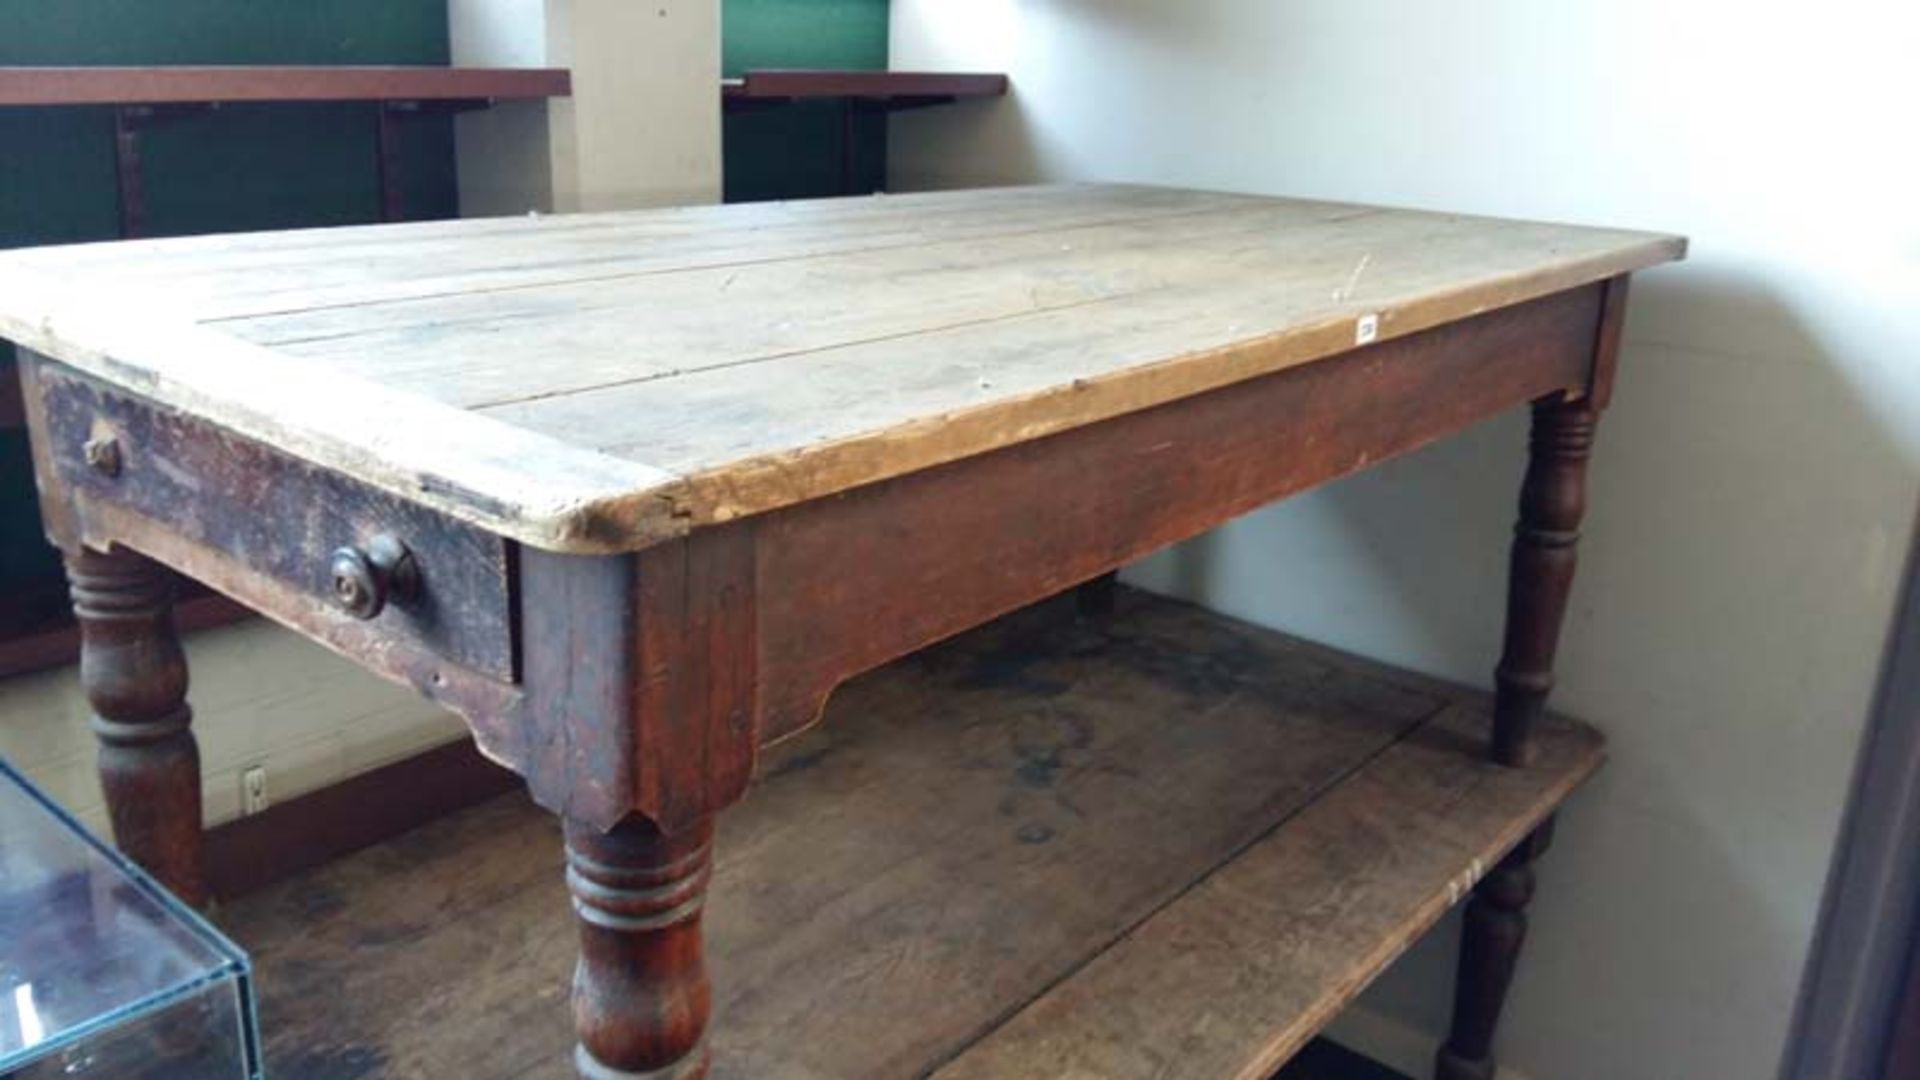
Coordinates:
[633,493]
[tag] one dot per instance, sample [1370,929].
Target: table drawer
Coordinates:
[262,512]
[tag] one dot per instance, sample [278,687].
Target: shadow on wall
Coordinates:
[981,143]
[1738,568]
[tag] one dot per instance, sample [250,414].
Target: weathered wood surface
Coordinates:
[605,381]
[974,824]
[1237,975]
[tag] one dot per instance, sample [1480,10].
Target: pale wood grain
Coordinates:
[472,349]
[240,275]
[969,828]
[750,437]
[467,465]
[639,374]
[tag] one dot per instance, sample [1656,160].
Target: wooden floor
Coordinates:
[1166,845]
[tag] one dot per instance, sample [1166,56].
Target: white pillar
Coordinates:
[641,129]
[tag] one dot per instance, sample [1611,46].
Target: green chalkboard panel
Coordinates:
[803,34]
[795,152]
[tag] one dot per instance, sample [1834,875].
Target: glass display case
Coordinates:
[102,972]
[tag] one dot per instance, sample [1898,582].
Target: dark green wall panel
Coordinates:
[803,34]
[223,32]
[794,152]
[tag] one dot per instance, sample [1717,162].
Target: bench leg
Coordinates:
[1552,501]
[1490,940]
[640,991]
[135,678]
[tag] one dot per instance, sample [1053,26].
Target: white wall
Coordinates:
[1756,479]
[642,127]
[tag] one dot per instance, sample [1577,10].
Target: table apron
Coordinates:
[849,583]
[261,526]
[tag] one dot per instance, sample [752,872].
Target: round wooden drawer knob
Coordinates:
[366,578]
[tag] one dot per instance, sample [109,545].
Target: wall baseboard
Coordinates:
[255,851]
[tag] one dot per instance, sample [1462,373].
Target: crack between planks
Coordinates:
[919,331]
[766,358]
[916,242]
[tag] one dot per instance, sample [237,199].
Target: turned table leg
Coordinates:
[1553,498]
[1494,930]
[640,991]
[135,678]
[1552,501]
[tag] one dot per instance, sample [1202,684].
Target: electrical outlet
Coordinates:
[253,790]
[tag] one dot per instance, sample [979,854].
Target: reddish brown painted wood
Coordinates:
[852,582]
[637,728]
[639,682]
[693,719]
[779,83]
[135,678]
[1494,930]
[295,836]
[1606,347]
[641,996]
[1552,503]
[1553,498]
[160,85]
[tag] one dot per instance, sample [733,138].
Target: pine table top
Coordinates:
[600,382]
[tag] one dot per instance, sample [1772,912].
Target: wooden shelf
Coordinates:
[1162,845]
[144,96]
[897,89]
[218,85]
